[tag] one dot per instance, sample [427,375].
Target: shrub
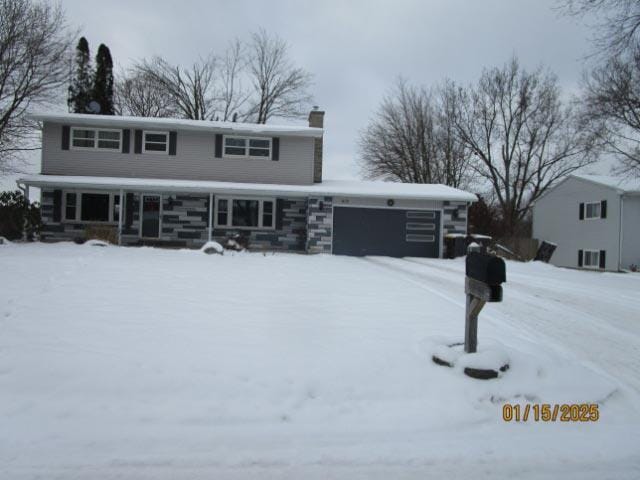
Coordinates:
[101,232]
[18,216]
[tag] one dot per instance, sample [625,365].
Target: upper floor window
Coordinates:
[247,147]
[592,210]
[155,142]
[96,138]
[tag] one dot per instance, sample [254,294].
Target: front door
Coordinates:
[150,216]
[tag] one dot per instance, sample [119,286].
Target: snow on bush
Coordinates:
[4,241]
[96,243]
[212,247]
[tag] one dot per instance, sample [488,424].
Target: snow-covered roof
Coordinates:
[177,123]
[622,184]
[345,188]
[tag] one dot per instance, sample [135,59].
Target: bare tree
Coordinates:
[139,95]
[191,90]
[611,109]
[617,28]
[34,54]
[412,138]
[281,89]
[233,97]
[521,136]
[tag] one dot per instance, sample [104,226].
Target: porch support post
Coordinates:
[122,209]
[210,213]
[27,204]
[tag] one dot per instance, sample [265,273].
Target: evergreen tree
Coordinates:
[103,81]
[80,88]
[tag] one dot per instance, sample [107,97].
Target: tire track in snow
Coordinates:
[618,353]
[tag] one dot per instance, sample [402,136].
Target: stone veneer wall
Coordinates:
[454,217]
[290,237]
[320,225]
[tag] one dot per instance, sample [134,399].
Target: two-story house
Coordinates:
[593,219]
[174,182]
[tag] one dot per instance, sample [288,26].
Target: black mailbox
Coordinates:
[486,268]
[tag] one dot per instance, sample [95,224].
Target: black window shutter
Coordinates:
[173,136]
[126,140]
[129,210]
[57,205]
[603,262]
[279,213]
[218,145]
[603,209]
[66,133]
[582,211]
[579,258]
[275,149]
[138,142]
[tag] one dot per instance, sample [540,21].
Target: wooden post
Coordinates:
[474,305]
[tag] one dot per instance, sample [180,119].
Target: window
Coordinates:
[91,207]
[245,213]
[94,138]
[70,206]
[223,212]
[155,142]
[246,147]
[592,210]
[591,258]
[267,214]
[95,207]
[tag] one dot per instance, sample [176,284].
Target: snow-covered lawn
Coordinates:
[154,364]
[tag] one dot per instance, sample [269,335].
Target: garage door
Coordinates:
[386,231]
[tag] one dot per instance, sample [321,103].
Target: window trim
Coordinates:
[584,259]
[155,132]
[78,218]
[247,147]
[260,200]
[586,204]
[95,147]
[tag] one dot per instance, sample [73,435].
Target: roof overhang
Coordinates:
[327,188]
[117,121]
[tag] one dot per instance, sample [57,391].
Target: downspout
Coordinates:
[620,232]
[120,206]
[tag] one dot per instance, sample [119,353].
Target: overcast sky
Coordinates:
[354,49]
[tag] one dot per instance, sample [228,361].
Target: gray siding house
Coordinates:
[593,219]
[180,183]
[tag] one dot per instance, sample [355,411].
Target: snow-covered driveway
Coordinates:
[144,363]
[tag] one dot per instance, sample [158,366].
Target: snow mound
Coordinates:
[4,241]
[212,247]
[490,359]
[96,243]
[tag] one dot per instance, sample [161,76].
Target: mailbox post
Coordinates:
[483,283]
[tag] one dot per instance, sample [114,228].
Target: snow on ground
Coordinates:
[145,363]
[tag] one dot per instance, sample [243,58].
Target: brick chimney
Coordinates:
[316,119]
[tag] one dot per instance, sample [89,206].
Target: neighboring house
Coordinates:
[180,183]
[593,219]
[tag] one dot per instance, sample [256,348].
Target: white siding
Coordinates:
[195,160]
[631,231]
[556,219]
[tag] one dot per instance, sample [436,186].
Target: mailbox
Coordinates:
[486,268]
